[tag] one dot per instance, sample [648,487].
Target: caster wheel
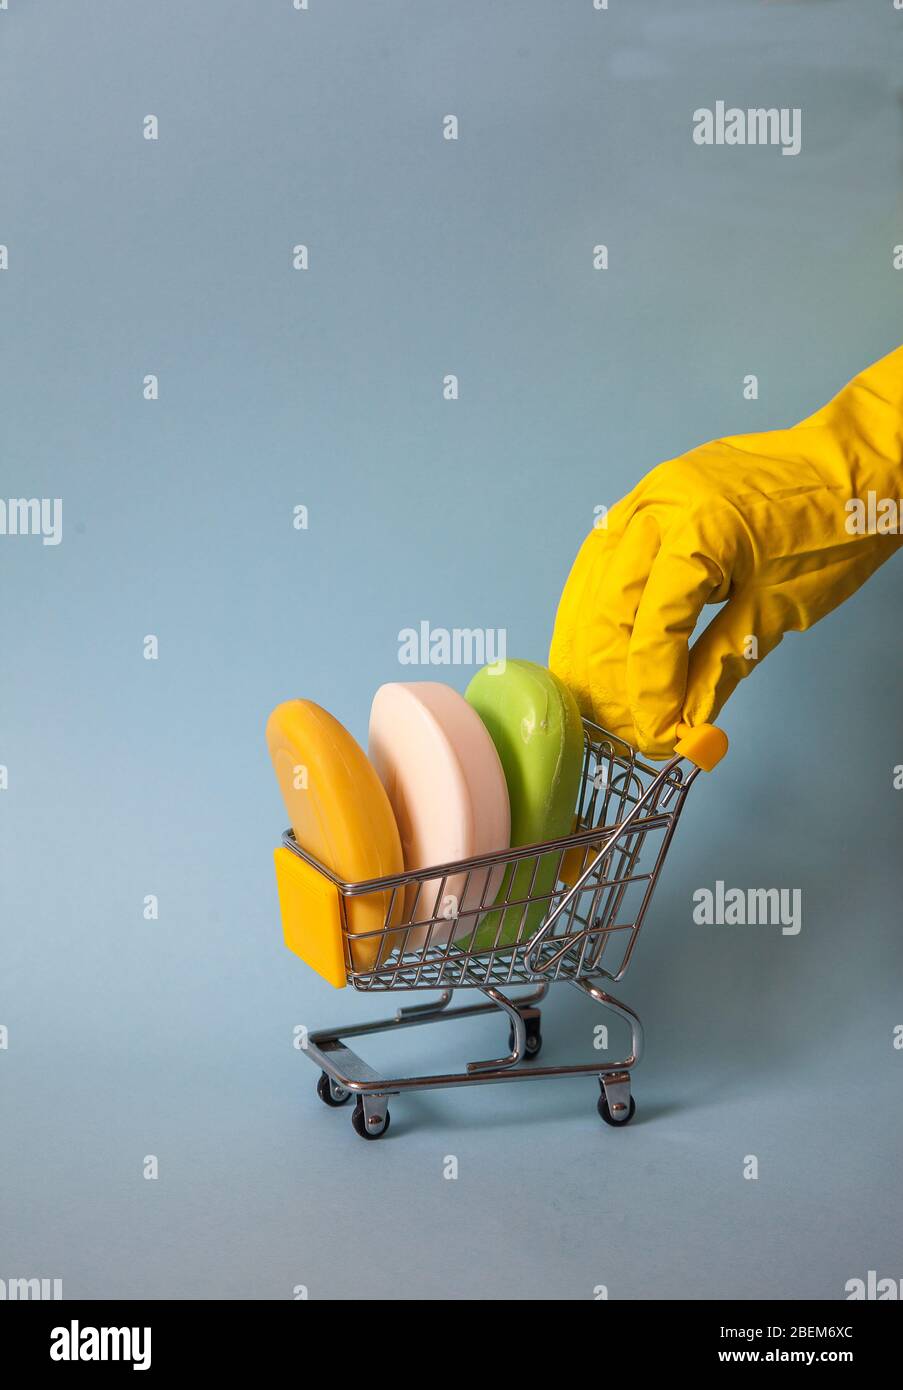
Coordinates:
[533,1045]
[328,1096]
[610,1119]
[359,1122]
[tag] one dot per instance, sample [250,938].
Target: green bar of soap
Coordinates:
[536,727]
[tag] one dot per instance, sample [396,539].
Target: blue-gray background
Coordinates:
[279,387]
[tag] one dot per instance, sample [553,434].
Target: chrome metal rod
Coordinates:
[381,1085]
[624,1011]
[520,1035]
[422,1011]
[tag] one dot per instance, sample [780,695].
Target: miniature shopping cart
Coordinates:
[593,906]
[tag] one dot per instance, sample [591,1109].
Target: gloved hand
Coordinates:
[758,522]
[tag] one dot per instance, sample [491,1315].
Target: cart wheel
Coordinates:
[359,1122]
[609,1119]
[533,1045]
[330,1092]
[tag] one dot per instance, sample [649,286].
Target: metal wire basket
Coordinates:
[568,909]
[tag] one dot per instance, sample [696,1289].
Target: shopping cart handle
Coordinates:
[704,745]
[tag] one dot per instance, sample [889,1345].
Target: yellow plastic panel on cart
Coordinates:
[340,815]
[311,916]
[705,745]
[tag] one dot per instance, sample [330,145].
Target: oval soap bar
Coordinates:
[446,786]
[535,724]
[339,813]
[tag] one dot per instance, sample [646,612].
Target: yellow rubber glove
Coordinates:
[763,523]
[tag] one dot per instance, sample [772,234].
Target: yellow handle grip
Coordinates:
[704,745]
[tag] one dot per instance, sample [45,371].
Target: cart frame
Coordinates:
[627,813]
